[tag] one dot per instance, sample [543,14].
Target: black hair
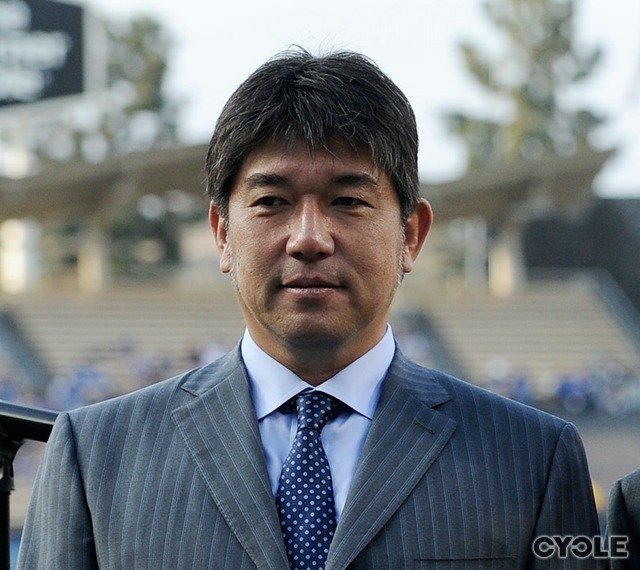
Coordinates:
[320,100]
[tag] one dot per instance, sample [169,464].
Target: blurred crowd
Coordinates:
[602,386]
[104,373]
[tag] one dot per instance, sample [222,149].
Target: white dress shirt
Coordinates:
[358,386]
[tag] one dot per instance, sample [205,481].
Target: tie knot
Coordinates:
[315,409]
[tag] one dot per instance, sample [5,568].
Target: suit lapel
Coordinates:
[405,438]
[220,430]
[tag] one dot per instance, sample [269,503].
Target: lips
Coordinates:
[311,288]
[309,283]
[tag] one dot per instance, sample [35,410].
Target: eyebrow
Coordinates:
[354,179]
[265,179]
[357,179]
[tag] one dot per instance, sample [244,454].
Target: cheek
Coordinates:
[251,259]
[377,259]
[385,246]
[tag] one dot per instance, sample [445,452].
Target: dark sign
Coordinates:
[41,50]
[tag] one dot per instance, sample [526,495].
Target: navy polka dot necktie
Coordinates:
[305,492]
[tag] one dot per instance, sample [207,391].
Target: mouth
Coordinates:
[311,287]
[310,283]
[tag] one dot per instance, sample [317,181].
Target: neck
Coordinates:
[315,362]
[313,365]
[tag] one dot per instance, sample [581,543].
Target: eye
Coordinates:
[348,202]
[270,201]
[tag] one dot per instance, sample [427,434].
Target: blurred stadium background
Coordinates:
[529,284]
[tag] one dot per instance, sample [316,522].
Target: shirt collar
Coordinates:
[358,385]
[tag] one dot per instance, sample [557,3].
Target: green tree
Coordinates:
[131,113]
[538,64]
[137,64]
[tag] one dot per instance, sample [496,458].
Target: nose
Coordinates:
[310,234]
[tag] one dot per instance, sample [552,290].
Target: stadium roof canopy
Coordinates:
[82,189]
[520,187]
[74,190]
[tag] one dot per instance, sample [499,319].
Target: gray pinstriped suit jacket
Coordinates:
[174,476]
[623,518]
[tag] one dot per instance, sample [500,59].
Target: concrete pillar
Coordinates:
[94,261]
[20,257]
[507,273]
[475,254]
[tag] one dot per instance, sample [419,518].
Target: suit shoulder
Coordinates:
[151,401]
[471,400]
[630,486]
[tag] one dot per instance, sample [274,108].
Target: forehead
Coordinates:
[299,157]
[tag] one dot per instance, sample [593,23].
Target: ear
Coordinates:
[416,230]
[219,226]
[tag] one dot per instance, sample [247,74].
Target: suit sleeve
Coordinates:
[58,531]
[568,506]
[620,522]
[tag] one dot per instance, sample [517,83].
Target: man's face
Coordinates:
[315,245]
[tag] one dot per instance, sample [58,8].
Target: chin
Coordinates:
[310,338]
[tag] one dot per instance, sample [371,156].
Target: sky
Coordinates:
[217,44]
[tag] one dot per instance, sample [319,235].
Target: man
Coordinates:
[312,174]
[623,519]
